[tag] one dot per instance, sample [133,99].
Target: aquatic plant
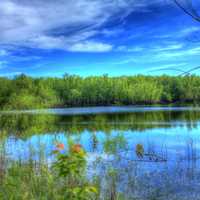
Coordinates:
[139,150]
[71,166]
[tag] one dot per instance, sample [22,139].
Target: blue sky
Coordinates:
[95,37]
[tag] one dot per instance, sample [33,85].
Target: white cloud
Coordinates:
[90,46]
[3,64]
[69,44]
[57,24]
[121,61]
[124,61]
[47,42]
[11,74]
[162,56]
[168,47]
[3,52]
[180,33]
[168,66]
[189,30]
[129,49]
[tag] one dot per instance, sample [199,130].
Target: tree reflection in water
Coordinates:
[138,154]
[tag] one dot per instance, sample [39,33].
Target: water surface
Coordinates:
[169,136]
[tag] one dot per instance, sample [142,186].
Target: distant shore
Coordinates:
[24,92]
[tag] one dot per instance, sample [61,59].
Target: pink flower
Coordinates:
[60,146]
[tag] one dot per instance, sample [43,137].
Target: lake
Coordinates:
[169,167]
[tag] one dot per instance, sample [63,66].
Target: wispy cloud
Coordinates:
[168,47]
[3,52]
[90,46]
[3,64]
[60,24]
[132,31]
[168,66]
[11,74]
[188,30]
[129,49]
[123,61]
[194,51]
[120,61]
[179,33]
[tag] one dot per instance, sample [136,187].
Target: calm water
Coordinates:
[170,137]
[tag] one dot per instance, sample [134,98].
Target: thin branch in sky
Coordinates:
[171,69]
[183,73]
[189,71]
[188,8]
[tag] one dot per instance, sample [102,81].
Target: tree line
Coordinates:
[24,92]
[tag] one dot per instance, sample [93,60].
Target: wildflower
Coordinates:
[60,146]
[76,148]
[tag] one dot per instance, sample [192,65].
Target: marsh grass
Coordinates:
[118,176]
[39,180]
[118,179]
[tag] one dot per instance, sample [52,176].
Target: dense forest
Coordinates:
[24,92]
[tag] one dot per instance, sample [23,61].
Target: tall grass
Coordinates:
[116,177]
